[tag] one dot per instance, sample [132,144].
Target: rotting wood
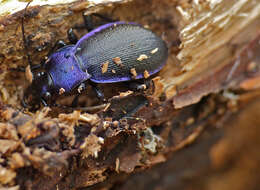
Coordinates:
[219,50]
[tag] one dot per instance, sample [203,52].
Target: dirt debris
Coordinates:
[91,146]
[118,61]
[104,67]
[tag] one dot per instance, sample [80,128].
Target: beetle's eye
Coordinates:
[40,74]
[47,95]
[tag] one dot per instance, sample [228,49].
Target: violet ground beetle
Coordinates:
[114,52]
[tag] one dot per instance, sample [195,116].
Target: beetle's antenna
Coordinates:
[25,42]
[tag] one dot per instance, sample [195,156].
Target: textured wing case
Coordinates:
[121,52]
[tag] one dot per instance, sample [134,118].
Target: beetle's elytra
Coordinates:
[114,52]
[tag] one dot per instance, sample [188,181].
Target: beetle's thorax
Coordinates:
[65,70]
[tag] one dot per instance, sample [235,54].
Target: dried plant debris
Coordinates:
[117,61]
[61,91]
[133,72]
[104,67]
[91,146]
[154,50]
[146,74]
[6,176]
[142,57]
[149,141]
[46,144]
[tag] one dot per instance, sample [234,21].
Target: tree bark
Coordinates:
[196,129]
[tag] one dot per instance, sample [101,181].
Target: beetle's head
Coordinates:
[60,74]
[41,88]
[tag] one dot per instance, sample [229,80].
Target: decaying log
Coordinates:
[182,129]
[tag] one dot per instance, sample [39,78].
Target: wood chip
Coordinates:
[2,27]
[61,91]
[252,66]
[91,146]
[110,119]
[105,66]
[133,72]
[107,106]
[142,57]
[28,74]
[115,123]
[79,6]
[123,94]
[144,87]
[106,124]
[146,74]
[117,61]
[117,165]
[16,161]
[101,140]
[154,51]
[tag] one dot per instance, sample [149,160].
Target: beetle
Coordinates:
[113,52]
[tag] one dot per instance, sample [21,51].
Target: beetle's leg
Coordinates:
[24,104]
[137,87]
[98,92]
[59,44]
[102,17]
[72,36]
[81,88]
[75,101]
[23,69]
[35,67]
[44,102]
[140,86]
[88,20]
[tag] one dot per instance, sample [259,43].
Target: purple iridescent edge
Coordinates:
[99,29]
[122,79]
